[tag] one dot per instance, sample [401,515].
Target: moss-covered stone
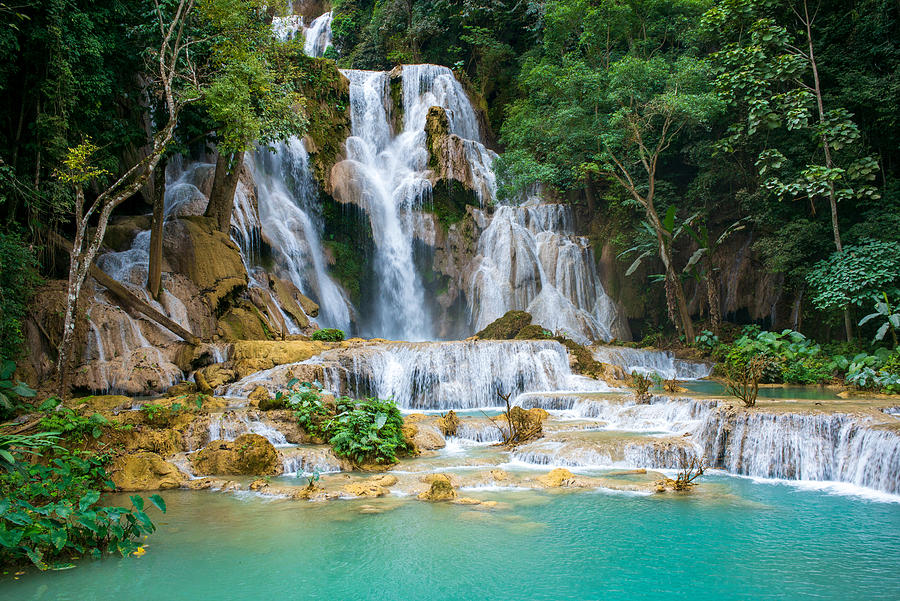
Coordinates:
[144,471]
[243,322]
[534,332]
[209,258]
[506,327]
[449,198]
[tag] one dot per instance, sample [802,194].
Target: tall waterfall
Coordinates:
[452,375]
[529,258]
[288,211]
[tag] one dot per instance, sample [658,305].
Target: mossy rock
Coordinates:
[534,332]
[144,471]
[506,327]
[449,198]
[243,323]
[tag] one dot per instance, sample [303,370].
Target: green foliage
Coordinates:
[328,335]
[18,279]
[890,316]
[878,371]
[790,356]
[11,392]
[50,512]
[70,424]
[367,431]
[363,431]
[163,416]
[853,277]
[706,341]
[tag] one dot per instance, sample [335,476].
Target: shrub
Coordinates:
[367,431]
[328,335]
[742,379]
[49,510]
[640,384]
[363,431]
[11,392]
[789,356]
[70,424]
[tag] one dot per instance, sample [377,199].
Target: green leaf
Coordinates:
[89,498]
[159,502]
[137,501]
[58,537]
[10,538]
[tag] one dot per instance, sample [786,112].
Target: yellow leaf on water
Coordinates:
[139,551]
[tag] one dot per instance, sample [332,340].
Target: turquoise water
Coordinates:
[803,393]
[736,539]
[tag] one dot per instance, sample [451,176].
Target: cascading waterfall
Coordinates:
[451,375]
[529,259]
[318,36]
[228,426]
[288,211]
[662,363]
[791,446]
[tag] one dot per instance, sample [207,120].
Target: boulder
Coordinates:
[557,478]
[448,423]
[249,356]
[243,322]
[144,471]
[248,454]
[422,437]
[385,480]
[181,389]
[261,398]
[441,489]
[213,376]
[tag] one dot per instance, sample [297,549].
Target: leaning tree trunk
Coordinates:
[154,269]
[225,181]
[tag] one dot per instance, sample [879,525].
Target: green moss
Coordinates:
[449,199]
[534,332]
[506,327]
[396,85]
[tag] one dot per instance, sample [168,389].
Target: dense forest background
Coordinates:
[676,126]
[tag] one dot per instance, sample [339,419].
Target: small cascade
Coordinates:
[301,460]
[318,36]
[623,451]
[792,446]
[230,425]
[662,363]
[451,375]
[477,431]
[289,213]
[529,259]
[287,27]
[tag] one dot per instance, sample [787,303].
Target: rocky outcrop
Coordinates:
[451,159]
[144,471]
[195,247]
[440,489]
[422,437]
[248,454]
[448,423]
[557,478]
[252,356]
[506,327]
[213,376]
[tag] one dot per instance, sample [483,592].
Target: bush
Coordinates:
[364,431]
[790,357]
[49,509]
[878,371]
[11,392]
[328,335]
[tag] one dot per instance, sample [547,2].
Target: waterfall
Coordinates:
[529,259]
[298,461]
[318,36]
[451,375]
[648,362]
[623,451]
[289,213]
[286,28]
[792,446]
[391,188]
[228,426]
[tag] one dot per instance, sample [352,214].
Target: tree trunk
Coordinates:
[712,296]
[225,181]
[154,269]
[826,147]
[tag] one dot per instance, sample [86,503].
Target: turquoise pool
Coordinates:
[736,539]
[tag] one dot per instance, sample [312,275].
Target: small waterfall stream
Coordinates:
[647,362]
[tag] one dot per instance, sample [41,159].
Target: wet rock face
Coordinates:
[248,454]
[209,258]
[557,478]
[144,471]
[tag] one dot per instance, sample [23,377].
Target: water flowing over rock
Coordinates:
[451,375]
[529,259]
[230,426]
[792,446]
[292,225]
[648,362]
[318,36]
